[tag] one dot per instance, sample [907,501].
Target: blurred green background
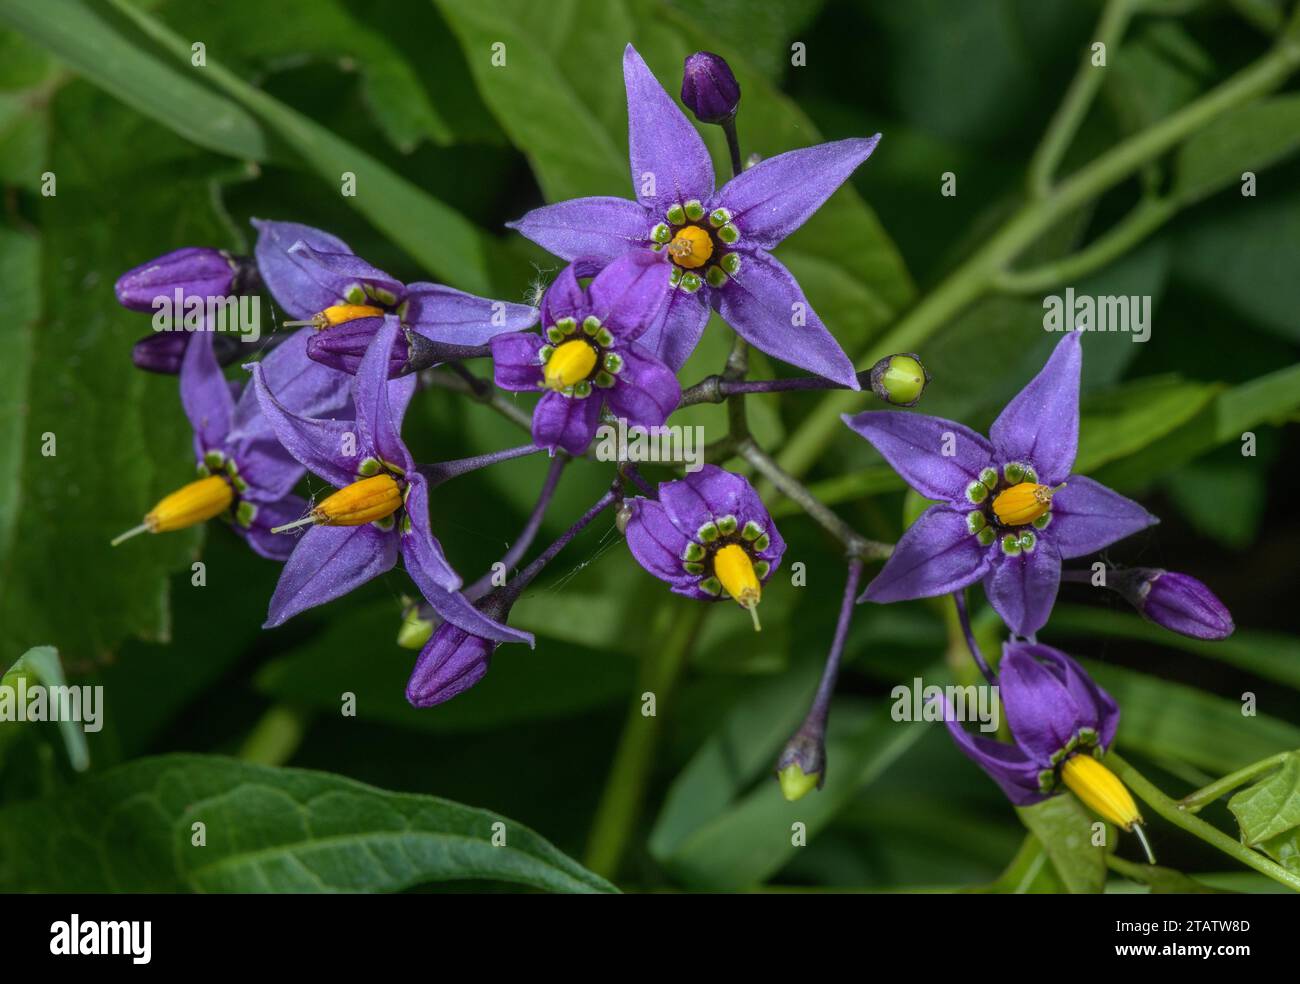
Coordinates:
[151,152]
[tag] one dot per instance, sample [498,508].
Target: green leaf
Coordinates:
[131,829]
[1270,655]
[1164,720]
[1029,873]
[42,664]
[1167,881]
[80,35]
[519,687]
[90,448]
[1250,139]
[1122,421]
[1064,828]
[1271,807]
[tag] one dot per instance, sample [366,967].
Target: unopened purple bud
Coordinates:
[1179,602]
[344,346]
[194,271]
[162,351]
[709,89]
[450,663]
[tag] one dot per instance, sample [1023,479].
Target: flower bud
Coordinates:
[451,663]
[163,351]
[801,767]
[343,346]
[709,89]
[1179,602]
[194,270]
[900,379]
[418,623]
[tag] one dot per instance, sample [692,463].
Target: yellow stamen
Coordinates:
[795,784]
[187,506]
[355,505]
[733,568]
[691,247]
[1100,790]
[570,363]
[338,314]
[1023,503]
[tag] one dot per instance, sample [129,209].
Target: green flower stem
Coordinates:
[1148,215]
[276,735]
[1194,825]
[620,803]
[1193,802]
[1078,99]
[978,274]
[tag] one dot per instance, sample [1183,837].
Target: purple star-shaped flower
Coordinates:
[367,460]
[714,244]
[233,439]
[316,278]
[590,356]
[1054,710]
[1009,510]
[709,536]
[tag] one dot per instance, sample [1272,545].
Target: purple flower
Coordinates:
[451,662]
[714,245]
[195,271]
[1177,601]
[709,89]
[1009,509]
[317,279]
[1054,710]
[245,473]
[590,356]
[708,534]
[381,509]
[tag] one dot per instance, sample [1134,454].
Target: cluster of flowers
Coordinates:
[616,325]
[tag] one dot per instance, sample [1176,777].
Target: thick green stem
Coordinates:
[1171,811]
[1078,99]
[620,804]
[1206,795]
[975,277]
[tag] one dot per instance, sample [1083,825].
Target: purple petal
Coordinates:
[645,391]
[1097,708]
[1041,423]
[341,270]
[565,298]
[1042,713]
[273,546]
[516,365]
[666,151]
[601,228]
[327,563]
[1087,517]
[425,560]
[939,458]
[673,338]
[629,295]
[776,196]
[457,610]
[1005,764]
[270,471]
[1023,588]
[765,305]
[450,663]
[205,394]
[301,384]
[655,542]
[936,555]
[284,277]
[704,496]
[315,442]
[379,423]
[565,422]
[448,315]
